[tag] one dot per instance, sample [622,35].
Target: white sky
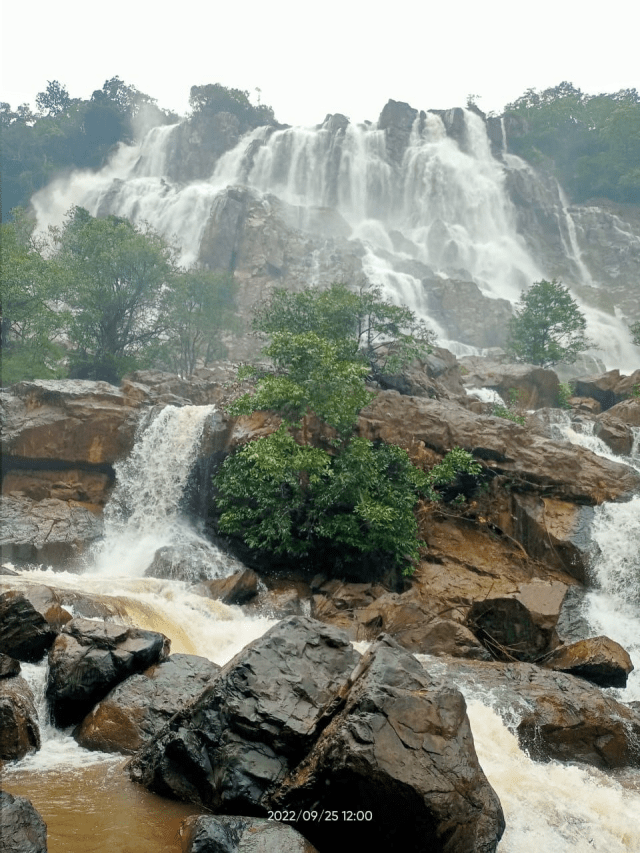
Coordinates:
[333,56]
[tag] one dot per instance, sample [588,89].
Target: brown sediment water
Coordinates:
[97,809]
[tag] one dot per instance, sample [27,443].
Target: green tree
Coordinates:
[54,100]
[548,326]
[635,334]
[215,98]
[115,277]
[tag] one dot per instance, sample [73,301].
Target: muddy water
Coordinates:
[95,809]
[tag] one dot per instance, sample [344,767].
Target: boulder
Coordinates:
[436,375]
[190,562]
[90,658]
[397,747]
[232,746]
[19,730]
[564,472]
[138,708]
[24,633]
[506,629]
[225,834]
[50,531]
[627,411]
[239,588]
[554,715]
[607,388]
[597,659]
[8,666]
[616,433]
[22,830]
[527,386]
[463,309]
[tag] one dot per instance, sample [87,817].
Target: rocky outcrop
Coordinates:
[466,313]
[22,830]
[24,632]
[89,658]
[609,388]
[137,709]
[555,716]
[19,730]
[224,834]
[505,627]
[8,666]
[239,588]
[565,472]
[597,659]
[397,747]
[527,386]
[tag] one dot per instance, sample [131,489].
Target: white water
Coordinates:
[448,201]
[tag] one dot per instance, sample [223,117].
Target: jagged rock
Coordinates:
[565,472]
[49,531]
[253,723]
[397,119]
[48,603]
[528,386]
[24,633]
[628,411]
[607,388]
[90,488]
[505,627]
[238,588]
[89,658]
[138,708]
[19,731]
[397,747]
[555,716]
[22,830]
[466,313]
[224,834]
[437,375]
[616,434]
[597,659]
[8,666]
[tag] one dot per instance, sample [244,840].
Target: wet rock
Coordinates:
[527,386]
[565,472]
[191,563]
[239,588]
[597,659]
[555,716]
[397,747]
[437,375]
[87,487]
[89,658]
[138,708]
[223,834]
[607,388]
[231,747]
[19,731]
[466,313]
[616,434]
[505,628]
[22,830]
[8,666]
[24,633]
[628,411]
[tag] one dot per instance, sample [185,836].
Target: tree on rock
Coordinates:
[548,326]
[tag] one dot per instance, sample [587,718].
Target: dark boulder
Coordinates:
[24,633]
[22,830]
[225,834]
[19,732]
[138,708]
[505,628]
[232,746]
[8,666]
[89,658]
[397,748]
[597,659]
[239,588]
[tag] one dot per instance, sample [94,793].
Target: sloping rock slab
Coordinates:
[22,830]
[554,715]
[597,659]
[24,633]
[232,746]
[239,588]
[505,627]
[89,658]
[398,748]
[19,732]
[137,710]
[223,834]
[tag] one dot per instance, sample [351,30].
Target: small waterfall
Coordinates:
[144,513]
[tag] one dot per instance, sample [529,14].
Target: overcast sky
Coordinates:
[334,56]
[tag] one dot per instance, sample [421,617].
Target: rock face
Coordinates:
[608,388]
[567,473]
[258,717]
[397,747]
[555,716]
[90,658]
[19,731]
[597,659]
[138,708]
[530,387]
[505,627]
[239,588]
[24,633]
[297,719]
[223,834]
[22,830]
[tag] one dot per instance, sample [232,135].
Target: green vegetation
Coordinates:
[106,297]
[215,98]
[591,142]
[565,392]
[548,326]
[347,507]
[635,334]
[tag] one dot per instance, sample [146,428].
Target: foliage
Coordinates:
[565,392]
[507,412]
[362,324]
[215,98]
[635,334]
[548,326]
[591,141]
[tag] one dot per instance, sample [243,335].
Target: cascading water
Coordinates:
[445,197]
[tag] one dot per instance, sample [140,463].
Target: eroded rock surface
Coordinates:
[19,730]
[22,830]
[225,834]
[24,633]
[597,659]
